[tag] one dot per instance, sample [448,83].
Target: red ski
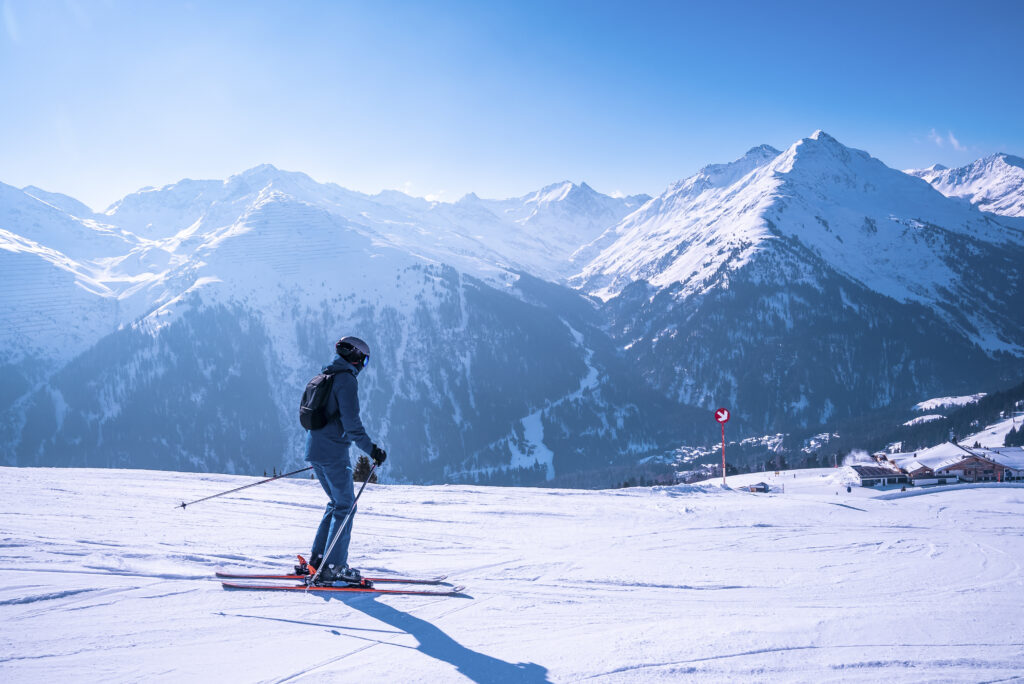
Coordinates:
[311,569]
[292,576]
[454,591]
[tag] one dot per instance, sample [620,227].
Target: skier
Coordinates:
[327,451]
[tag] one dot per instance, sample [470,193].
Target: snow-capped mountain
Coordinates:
[185,342]
[559,218]
[535,233]
[43,222]
[994,184]
[177,329]
[811,284]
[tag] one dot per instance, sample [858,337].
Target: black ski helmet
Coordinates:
[353,350]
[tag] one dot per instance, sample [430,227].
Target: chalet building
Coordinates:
[1010,458]
[759,487]
[949,463]
[921,475]
[875,476]
[973,468]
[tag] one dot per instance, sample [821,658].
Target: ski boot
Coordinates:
[332,576]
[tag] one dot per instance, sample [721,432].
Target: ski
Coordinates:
[454,591]
[311,569]
[293,576]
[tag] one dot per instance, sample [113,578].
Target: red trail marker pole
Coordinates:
[722,416]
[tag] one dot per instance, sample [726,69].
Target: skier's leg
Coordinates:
[322,532]
[338,478]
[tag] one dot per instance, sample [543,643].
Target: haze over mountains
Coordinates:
[518,340]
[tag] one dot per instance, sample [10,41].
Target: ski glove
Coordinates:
[378,455]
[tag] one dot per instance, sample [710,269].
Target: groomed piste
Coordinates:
[104,580]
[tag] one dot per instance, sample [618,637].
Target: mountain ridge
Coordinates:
[799,287]
[994,184]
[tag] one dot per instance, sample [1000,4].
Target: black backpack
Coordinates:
[313,408]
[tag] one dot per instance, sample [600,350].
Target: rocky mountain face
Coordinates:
[526,340]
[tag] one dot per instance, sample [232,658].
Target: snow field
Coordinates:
[104,580]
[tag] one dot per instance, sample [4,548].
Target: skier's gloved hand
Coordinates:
[378,455]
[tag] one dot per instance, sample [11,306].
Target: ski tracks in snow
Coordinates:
[620,586]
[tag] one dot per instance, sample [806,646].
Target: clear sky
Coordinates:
[100,98]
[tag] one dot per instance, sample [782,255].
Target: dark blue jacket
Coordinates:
[331,442]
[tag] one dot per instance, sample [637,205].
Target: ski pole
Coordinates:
[236,489]
[341,527]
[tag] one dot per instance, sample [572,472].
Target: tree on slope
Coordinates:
[362,470]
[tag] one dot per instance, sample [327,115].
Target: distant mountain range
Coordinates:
[994,184]
[524,340]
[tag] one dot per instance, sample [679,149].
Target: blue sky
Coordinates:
[443,98]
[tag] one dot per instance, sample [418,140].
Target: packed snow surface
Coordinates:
[103,579]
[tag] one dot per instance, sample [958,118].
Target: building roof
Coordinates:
[934,457]
[949,454]
[1008,457]
[874,471]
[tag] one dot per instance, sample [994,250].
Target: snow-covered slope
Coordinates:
[177,329]
[535,233]
[864,219]
[52,307]
[809,285]
[654,242]
[225,297]
[45,223]
[948,402]
[104,580]
[994,184]
[557,219]
[64,203]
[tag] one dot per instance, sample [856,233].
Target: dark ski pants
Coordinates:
[336,479]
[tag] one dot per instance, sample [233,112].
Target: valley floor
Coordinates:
[103,579]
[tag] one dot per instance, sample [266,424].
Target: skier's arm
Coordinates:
[345,387]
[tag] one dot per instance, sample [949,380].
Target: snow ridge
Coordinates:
[994,184]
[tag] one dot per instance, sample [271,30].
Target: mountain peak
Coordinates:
[822,136]
[995,183]
[1008,159]
[260,170]
[555,191]
[58,200]
[722,175]
[762,151]
[820,154]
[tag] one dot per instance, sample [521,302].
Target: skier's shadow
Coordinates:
[435,643]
